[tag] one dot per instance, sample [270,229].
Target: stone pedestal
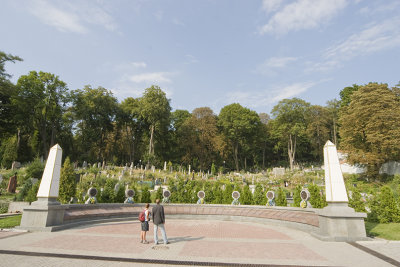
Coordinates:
[338,222]
[42,215]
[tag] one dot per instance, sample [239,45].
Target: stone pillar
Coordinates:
[46,212]
[337,221]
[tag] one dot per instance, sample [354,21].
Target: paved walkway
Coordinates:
[199,243]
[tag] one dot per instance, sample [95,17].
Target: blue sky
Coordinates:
[207,53]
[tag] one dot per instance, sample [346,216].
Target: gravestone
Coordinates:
[1,178]
[235,196]
[15,165]
[201,195]
[165,165]
[92,192]
[129,194]
[271,198]
[12,184]
[252,188]
[278,171]
[84,164]
[305,196]
[166,195]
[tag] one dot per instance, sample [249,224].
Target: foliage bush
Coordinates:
[280,197]
[67,182]
[35,169]
[384,207]
[296,196]
[24,190]
[159,194]
[317,199]
[247,197]
[145,198]
[8,151]
[32,193]
[356,201]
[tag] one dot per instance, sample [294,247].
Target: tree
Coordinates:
[333,111]
[41,99]
[280,197]
[131,125]
[317,199]
[346,94]
[200,139]
[67,182]
[290,124]
[384,207]
[318,129]
[155,111]
[259,196]
[239,125]
[6,58]
[145,198]
[159,194]
[247,197]
[94,111]
[355,201]
[370,126]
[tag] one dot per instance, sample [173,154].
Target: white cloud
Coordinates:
[58,18]
[271,5]
[72,16]
[190,59]
[152,77]
[271,65]
[177,22]
[268,96]
[374,38]
[139,64]
[302,14]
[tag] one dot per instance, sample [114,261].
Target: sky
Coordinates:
[208,53]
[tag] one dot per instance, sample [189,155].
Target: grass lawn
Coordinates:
[10,222]
[389,231]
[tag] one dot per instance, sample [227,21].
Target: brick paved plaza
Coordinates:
[192,242]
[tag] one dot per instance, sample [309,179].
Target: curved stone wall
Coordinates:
[295,217]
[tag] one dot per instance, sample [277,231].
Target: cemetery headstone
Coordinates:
[12,184]
[201,195]
[92,192]
[271,198]
[129,194]
[166,195]
[305,196]
[235,196]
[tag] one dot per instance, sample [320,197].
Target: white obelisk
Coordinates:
[334,183]
[50,183]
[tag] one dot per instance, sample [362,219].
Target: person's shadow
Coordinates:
[183,239]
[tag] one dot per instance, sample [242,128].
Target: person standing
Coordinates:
[145,224]
[159,221]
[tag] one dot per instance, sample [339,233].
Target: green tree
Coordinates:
[259,196]
[145,198]
[346,93]
[290,124]
[40,99]
[385,208]
[8,151]
[280,197]
[201,137]
[155,111]
[31,196]
[370,126]
[296,196]
[318,122]
[247,197]
[239,125]
[119,195]
[355,201]
[67,182]
[94,111]
[131,126]
[108,193]
[159,194]
[317,199]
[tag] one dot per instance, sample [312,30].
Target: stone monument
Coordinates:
[201,195]
[12,184]
[337,221]
[46,211]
